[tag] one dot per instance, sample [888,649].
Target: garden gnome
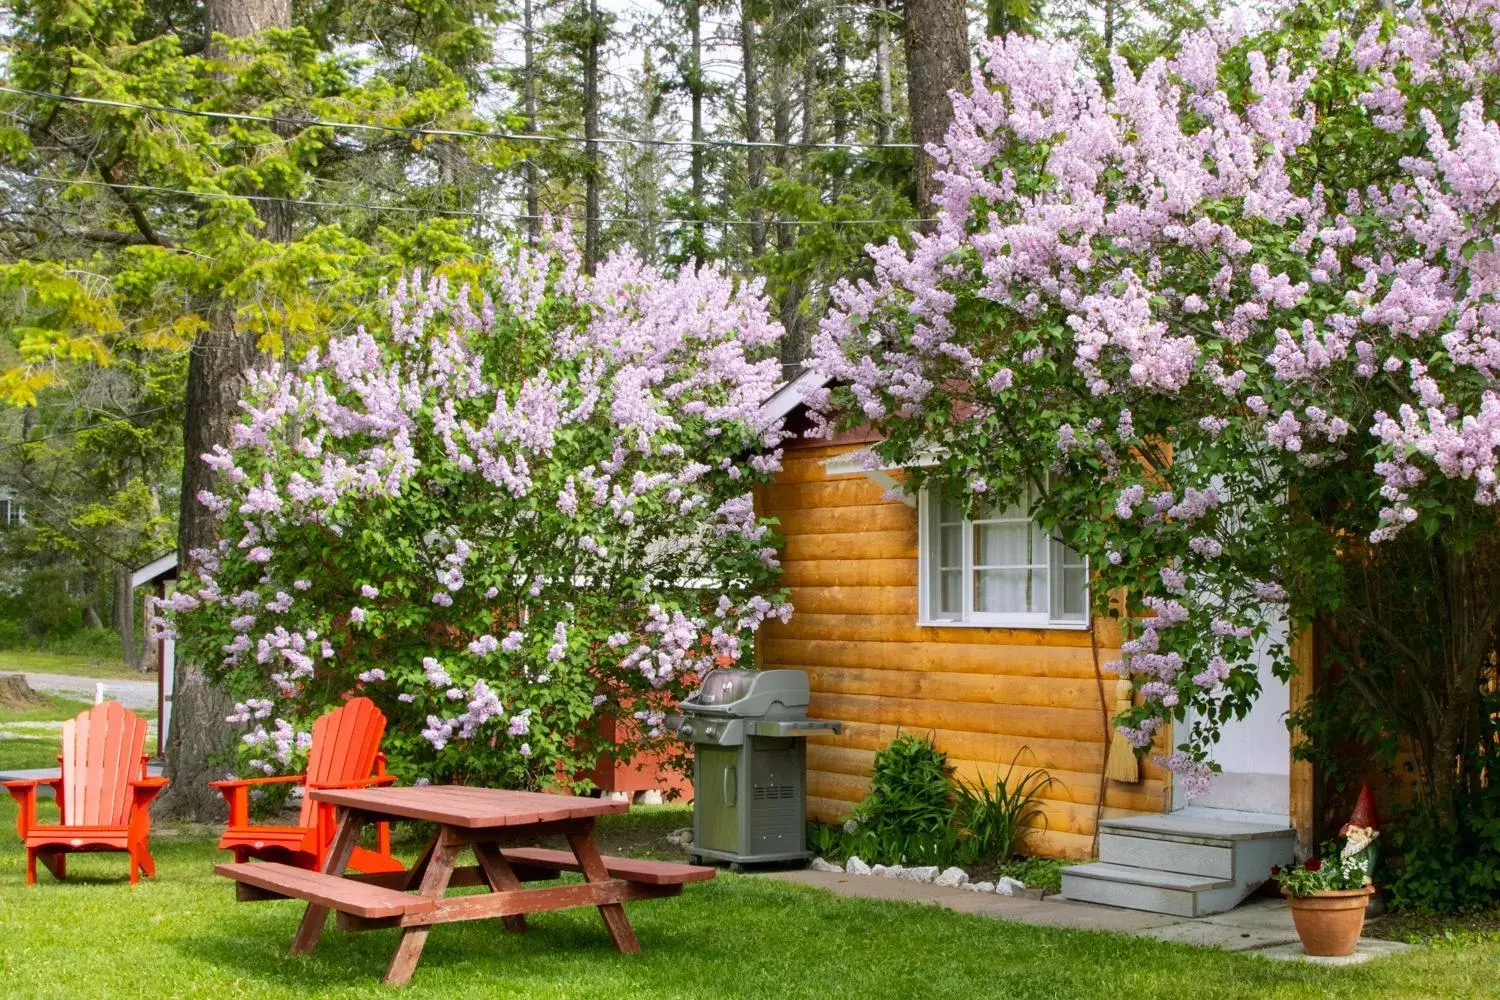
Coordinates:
[1363,824]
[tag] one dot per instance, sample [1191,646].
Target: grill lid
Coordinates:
[721,687]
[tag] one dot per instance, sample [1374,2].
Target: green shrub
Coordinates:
[908,815]
[1453,868]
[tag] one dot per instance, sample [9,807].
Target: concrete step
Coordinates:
[1210,860]
[1147,889]
[1189,863]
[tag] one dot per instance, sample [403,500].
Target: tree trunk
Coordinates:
[695,91]
[755,156]
[937,61]
[532,182]
[591,231]
[883,71]
[217,363]
[124,618]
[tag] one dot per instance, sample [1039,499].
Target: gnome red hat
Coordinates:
[1364,814]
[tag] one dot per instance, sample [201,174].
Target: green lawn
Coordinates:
[27,746]
[102,667]
[182,935]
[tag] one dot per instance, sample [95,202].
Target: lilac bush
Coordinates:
[518,508]
[1233,318]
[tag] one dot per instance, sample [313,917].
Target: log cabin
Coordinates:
[911,618]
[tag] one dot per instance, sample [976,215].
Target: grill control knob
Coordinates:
[712,732]
[686,730]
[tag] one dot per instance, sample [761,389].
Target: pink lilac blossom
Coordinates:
[1179,323]
[635,434]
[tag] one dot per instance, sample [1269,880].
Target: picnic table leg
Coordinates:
[351,822]
[418,869]
[614,916]
[434,884]
[501,877]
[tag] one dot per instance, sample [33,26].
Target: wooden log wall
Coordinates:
[986,695]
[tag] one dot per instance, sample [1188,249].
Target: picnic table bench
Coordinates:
[486,821]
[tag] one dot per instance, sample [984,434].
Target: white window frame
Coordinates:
[928,507]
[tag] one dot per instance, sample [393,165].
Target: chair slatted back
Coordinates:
[101,754]
[344,744]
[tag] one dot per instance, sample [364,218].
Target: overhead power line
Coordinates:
[461,213]
[446,133]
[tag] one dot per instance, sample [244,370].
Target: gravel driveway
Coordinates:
[132,694]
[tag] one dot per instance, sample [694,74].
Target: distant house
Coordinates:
[911,617]
[12,514]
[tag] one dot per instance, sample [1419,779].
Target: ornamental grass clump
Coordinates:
[1233,316]
[516,508]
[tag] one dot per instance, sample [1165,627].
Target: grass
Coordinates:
[182,935]
[79,665]
[25,747]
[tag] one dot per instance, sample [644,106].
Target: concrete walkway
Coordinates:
[1259,926]
[134,695]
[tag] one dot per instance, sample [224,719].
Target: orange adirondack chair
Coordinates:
[103,794]
[345,753]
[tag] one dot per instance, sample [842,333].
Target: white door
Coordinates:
[1255,752]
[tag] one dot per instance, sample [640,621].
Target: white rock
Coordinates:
[921,873]
[1007,886]
[952,878]
[887,871]
[819,865]
[980,886]
[854,866]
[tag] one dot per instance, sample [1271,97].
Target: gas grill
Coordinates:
[748,729]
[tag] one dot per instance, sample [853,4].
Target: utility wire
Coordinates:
[459,213]
[443,133]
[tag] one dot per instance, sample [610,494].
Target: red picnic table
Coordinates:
[490,822]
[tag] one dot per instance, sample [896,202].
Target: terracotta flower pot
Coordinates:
[1329,923]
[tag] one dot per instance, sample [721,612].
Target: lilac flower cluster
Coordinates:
[1197,326]
[472,502]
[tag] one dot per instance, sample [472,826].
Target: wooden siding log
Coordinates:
[853,545]
[872,600]
[926,713]
[834,520]
[1059,662]
[1085,756]
[971,689]
[851,491]
[849,573]
[864,626]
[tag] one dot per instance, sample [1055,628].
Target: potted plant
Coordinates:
[1328,893]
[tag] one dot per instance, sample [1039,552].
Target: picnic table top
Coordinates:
[469,807]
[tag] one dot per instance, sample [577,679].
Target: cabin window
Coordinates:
[997,568]
[10,513]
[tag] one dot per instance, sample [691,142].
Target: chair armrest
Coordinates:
[157,783]
[275,779]
[374,779]
[23,790]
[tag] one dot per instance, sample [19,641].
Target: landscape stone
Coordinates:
[819,865]
[952,878]
[980,886]
[854,866]
[920,873]
[1007,886]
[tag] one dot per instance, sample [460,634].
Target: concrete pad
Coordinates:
[1227,937]
[1364,951]
[1268,916]
[1050,912]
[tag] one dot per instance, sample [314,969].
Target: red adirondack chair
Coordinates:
[345,753]
[103,794]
